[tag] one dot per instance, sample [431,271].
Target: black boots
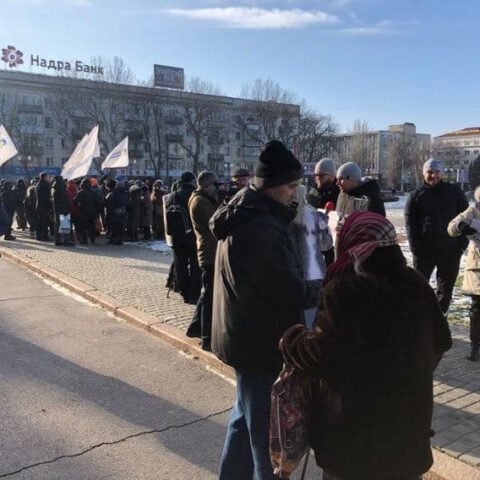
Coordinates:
[474,353]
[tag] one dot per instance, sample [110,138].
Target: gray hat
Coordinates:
[205,179]
[326,166]
[350,171]
[433,164]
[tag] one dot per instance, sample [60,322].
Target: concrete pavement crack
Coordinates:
[116,442]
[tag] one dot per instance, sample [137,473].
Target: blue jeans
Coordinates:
[246,447]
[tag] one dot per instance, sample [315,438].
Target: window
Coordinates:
[65,123]
[64,143]
[239,152]
[49,161]
[475,152]
[64,160]
[49,142]
[48,122]
[237,136]
[227,151]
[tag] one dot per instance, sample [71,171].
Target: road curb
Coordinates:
[445,466]
[172,335]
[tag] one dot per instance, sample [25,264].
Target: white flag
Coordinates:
[80,162]
[118,157]
[7,148]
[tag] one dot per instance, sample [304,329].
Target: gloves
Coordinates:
[466,229]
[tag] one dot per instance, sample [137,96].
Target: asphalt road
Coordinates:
[86,396]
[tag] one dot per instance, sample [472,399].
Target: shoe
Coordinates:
[9,237]
[206,345]
[474,353]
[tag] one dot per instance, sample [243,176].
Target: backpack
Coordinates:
[178,224]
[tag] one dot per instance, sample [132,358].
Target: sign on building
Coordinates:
[170,77]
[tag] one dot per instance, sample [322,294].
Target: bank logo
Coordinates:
[12,56]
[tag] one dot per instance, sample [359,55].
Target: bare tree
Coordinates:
[316,135]
[273,108]
[363,147]
[197,113]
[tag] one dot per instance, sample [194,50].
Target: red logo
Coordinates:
[12,56]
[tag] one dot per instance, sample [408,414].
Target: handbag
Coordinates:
[289,420]
[65,224]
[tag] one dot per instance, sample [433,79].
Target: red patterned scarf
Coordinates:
[362,233]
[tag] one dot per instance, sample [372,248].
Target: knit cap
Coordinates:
[276,166]
[326,166]
[349,171]
[432,164]
[205,179]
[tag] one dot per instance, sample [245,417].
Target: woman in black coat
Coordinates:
[116,203]
[380,334]
[61,206]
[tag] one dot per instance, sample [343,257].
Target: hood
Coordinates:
[368,188]
[242,208]
[86,185]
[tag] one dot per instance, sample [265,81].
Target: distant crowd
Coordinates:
[67,212]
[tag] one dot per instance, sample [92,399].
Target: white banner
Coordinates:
[80,162]
[7,148]
[118,157]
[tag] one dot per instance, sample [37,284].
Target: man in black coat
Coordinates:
[428,212]
[43,207]
[89,204]
[61,206]
[259,293]
[326,188]
[8,198]
[357,194]
[187,272]
[116,205]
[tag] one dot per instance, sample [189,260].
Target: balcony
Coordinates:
[174,120]
[171,138]
[33,150]
[216,157]
[215,140]
[25,108]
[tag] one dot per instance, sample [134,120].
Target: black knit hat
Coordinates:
[276,166]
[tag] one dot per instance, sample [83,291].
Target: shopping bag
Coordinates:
[289,420]
[65,224]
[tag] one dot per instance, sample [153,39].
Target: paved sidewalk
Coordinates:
[135,276]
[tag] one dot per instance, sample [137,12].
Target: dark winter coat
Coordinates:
[428,212]
[157,213]
[259,288]
[134,208]
[147,208]
[72,192]
[116,205]
[368,190]
[4,220]
[201,207]
[378,342]
[43,195]
[87,200]
[8,197]
[60,202]
[19,192]
[319,197]
[31,200]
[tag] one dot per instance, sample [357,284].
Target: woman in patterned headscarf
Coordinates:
[379,335]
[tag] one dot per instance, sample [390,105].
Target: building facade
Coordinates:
[375,151]
[169,131]
[457,150]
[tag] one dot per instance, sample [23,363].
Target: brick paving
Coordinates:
[136,275]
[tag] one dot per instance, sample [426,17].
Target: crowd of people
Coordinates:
[66,212]
[277,283]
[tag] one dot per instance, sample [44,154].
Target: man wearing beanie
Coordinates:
[185,264]
[357,195]
[428,211]
[259,293]
[202,205]
[326,188]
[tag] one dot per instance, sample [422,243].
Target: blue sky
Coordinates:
[382,61]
